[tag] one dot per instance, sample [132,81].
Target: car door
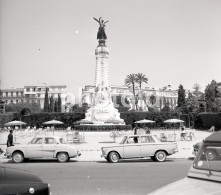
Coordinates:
[34,148]
[132,147]
[49,147]
[148,146]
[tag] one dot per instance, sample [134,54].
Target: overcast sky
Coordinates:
[53,41]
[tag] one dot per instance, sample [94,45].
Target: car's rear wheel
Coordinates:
[211,154]
[113,157]
[62,157]
[17,157]
[160,156]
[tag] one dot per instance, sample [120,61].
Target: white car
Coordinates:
[45,147]
[139,146]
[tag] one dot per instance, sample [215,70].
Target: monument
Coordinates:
[102,108]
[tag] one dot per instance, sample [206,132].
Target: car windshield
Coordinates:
[209,158]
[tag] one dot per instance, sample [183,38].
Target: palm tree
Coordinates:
[130,82]
[140,78]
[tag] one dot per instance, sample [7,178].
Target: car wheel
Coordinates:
[113,157]
[211,154]
[17,157]
[62,157]
[160,156]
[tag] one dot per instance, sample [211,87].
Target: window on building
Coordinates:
[16,101]
[12,94]
[34,89]
[39,89]
[11,101]
[27,89]
[22,100]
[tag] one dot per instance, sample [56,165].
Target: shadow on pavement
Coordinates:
[136,161]
[41,161]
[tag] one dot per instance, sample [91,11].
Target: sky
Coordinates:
[53,41]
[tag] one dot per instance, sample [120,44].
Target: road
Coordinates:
[126,177]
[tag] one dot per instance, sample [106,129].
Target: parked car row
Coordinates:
[134,146]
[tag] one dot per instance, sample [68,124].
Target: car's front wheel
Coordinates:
[62,157]
[113,157]
[17,157]
[160,156]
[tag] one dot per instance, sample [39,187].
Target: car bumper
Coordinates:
[7,155]
[103,155]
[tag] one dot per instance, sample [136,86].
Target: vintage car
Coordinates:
[139,146]
[46,147]
[14,181]
[204,176]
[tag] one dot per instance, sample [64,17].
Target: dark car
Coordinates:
[204,176]
[14,181]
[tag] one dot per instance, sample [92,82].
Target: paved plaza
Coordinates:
[92,142]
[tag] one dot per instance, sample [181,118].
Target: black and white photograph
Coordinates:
[110,97]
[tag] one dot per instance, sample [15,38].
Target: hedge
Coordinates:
[37,119]
[158,117]
[7,117]
[206,120]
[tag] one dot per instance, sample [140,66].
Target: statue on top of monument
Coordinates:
[101,31]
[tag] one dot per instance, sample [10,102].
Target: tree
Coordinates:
[23,107]
[181,104]
[130,82]
[59,103]
[140,78]
[51,104]
[212,97]
[56,105]
[46,101]
[196,87]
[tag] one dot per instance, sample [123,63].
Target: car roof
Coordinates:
[215,137]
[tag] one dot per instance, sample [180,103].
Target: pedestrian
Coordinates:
[10,139]
[135,129]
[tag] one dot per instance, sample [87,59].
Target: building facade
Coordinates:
[151,97]
[34,93]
